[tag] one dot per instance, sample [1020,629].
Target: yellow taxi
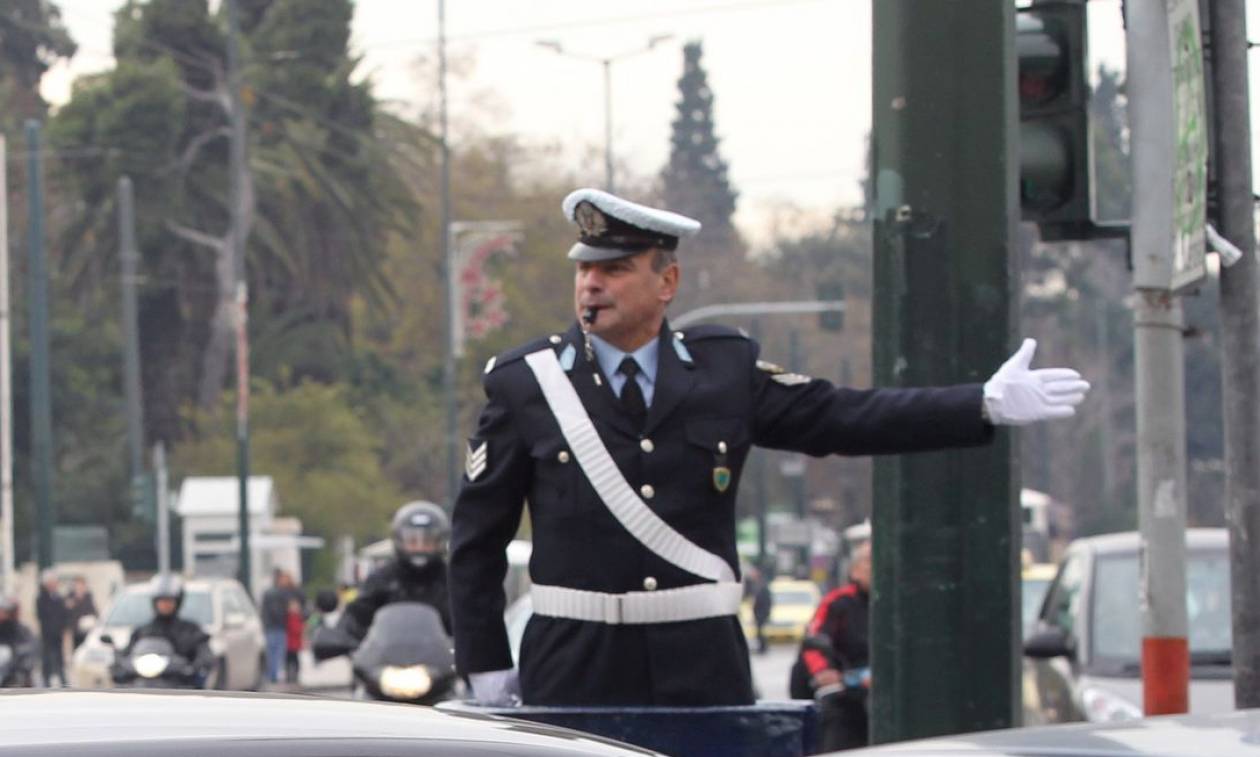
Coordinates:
[792,607]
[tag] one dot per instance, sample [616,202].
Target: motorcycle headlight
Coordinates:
[405,683]
[150,665]
[1102,706]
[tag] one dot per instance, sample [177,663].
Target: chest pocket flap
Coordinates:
[715,433]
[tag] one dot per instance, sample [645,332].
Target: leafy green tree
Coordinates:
[695,183]
[32,39]
[322,455]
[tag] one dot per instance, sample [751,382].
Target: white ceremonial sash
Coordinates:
[608,481]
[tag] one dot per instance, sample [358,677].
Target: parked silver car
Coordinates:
[219,605]
[1087,647]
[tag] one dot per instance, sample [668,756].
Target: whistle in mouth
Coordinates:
[588,316]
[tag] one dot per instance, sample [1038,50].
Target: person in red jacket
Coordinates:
[836,657]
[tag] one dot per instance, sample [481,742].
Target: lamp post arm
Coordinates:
[756,308]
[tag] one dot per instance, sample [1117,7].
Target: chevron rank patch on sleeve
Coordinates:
[476,460]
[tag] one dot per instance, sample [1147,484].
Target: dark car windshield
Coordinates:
[135,608]
[1117,621]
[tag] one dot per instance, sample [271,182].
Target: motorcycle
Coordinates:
[406,655]
[16,664]
[153,664]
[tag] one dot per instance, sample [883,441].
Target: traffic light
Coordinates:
[1054,151]
[143,498]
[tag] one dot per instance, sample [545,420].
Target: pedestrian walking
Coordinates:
[81,605]
[54,618]
[274,609]
[627,437]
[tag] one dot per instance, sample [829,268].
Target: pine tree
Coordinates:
[696,184]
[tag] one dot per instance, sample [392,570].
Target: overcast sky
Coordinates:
[791,80]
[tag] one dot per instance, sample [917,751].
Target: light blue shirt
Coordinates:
[610,358]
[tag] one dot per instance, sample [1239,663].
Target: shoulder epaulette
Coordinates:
[710,331]
[518,352]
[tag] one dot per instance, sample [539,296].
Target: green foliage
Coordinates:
[321,453]
[32,39]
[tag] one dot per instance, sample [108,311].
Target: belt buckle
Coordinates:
[612,609]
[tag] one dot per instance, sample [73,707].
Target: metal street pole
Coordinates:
[163,514]
[606,62]
[449,369]
[1240,333]
[1158,363]
[946,529]
[130,259]
[6,384]
[608,158]
[41,403]
[238,170]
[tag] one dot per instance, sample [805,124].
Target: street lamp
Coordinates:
[606,62]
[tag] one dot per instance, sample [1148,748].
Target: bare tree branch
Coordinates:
[218,244]
[190,152]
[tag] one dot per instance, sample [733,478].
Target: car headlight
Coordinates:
[405,683]
[150,665]
[1102,706]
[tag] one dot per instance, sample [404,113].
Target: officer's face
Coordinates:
[165,606]
[629,298]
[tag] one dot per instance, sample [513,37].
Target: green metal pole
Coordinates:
[239,170]
[41,403]
[945,527]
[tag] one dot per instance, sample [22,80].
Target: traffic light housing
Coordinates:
[1055,186]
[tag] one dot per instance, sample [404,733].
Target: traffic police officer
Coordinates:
[628,439]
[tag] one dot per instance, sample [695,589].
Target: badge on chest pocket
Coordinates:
[721,471]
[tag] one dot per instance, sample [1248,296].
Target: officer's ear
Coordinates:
[669,282]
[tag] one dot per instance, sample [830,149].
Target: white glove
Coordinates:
[496,688]
[1017,396]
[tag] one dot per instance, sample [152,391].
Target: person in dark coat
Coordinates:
[187,639]
[627,437]
[81,605]
[274,610]
[420,532]
[763,603]
[835,658]
[21,643]
[54,618]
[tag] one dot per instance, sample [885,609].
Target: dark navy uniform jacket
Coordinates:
[710,394]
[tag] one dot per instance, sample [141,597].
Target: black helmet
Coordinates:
[167,586]
[420,532]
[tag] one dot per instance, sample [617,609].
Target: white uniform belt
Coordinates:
[662,606]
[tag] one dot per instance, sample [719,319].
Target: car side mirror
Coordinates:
[234,620]
[107,640]
[1049,642]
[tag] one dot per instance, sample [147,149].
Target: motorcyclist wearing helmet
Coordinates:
[187,639]
[20,639]
[420,532]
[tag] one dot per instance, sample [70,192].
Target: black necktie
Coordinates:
[631,395]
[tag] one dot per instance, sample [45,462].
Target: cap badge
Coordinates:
[590,219]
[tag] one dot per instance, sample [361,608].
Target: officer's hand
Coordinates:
[1017,395]
[496,688]
[827,677]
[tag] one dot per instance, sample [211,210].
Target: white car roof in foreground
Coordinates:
[1223,734]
